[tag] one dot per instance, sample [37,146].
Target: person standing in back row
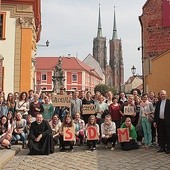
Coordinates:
[162,122]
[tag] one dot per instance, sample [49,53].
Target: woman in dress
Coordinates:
[115,112]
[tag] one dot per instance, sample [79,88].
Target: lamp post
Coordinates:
[58,77]
[133,70]
[143,73]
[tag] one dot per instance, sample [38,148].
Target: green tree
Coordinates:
[103,89]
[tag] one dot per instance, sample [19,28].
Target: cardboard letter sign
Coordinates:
[61,100]
[89,109]
[68,134]
[92,133]
[123,135]
[129,110]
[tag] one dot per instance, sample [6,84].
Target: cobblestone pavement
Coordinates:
[102,159]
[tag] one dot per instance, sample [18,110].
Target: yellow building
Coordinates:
[159,77]
[19,33]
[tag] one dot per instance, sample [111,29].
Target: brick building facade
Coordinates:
[155,24]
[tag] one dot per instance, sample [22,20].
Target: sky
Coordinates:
[71,25]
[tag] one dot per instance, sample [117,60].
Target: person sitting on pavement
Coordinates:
[40,140]
[92,122]
[67,122]
[5,133]
[19,130]
[108,132]
[79,128]
[55,124]
[132,144]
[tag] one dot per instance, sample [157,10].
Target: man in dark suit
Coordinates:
[162,122]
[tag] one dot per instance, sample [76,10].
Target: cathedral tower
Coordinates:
[116,59]
[99,46]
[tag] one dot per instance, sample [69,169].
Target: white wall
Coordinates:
[7,48]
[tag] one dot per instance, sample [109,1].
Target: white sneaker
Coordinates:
[112,148]
[106,146]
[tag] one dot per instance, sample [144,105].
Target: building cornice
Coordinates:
[36,8]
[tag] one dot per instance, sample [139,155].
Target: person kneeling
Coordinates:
[132,144]
[40,140]
[92,133]
[108,132]
[64,139]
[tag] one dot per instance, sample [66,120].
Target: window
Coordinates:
[44,77]
[2,25]
[74,77]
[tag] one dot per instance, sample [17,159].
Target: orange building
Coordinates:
[78,75]
[19,34]
[158,78]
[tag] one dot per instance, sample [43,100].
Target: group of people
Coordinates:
[32,119]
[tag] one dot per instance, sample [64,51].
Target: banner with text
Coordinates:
[89,109]
[123,135]
[92,133]
[61,100]
[129,110]
[68,134]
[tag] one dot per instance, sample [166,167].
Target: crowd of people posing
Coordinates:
[32,119]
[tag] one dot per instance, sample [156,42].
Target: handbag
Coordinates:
[150,117]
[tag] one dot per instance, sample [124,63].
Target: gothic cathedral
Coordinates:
[114,71]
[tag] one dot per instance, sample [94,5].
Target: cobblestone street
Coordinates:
[102,159]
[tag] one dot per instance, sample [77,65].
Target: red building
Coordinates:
[78,75]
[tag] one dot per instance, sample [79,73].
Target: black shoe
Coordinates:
[167,151]
[161,150]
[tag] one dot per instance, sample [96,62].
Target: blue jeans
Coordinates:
[146,126]
[21,137]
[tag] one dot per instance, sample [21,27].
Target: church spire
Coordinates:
[99,32]
[114,27]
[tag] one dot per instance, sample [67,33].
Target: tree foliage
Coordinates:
[103,89]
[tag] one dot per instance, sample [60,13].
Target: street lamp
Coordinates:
[133,70]
[47,43]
